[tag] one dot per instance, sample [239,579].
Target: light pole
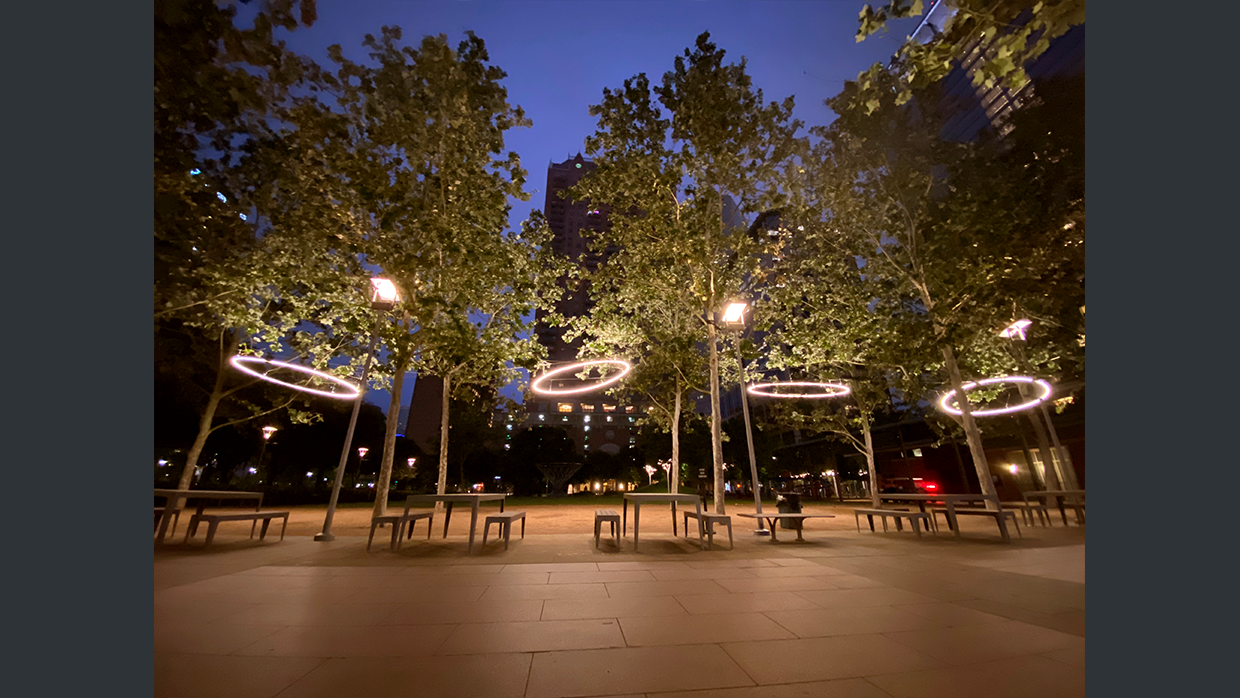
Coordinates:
[1065,475]
[734,319]
[267,432]
[650,473]
[384,297]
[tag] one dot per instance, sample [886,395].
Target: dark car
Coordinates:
[909,485]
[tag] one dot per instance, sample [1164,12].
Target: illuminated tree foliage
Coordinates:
[665,167]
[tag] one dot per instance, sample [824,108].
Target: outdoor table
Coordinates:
[639,499]
[449,499]
[1077,497]
[950,501]
[174,498]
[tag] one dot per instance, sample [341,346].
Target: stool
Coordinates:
[610,516]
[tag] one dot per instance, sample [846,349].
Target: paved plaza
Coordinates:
[840,615]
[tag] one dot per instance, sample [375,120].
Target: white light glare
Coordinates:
[1016,329]
[735,312]
[385,290]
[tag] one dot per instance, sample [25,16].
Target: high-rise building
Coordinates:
[594,421]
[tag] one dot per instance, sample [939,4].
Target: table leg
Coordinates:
[447,516]
[473,523]
[501,506]
[637,517]
[921,506]
[701,542]
[674,534]
[624,518]
[951,518]
[771,524]
[170,505]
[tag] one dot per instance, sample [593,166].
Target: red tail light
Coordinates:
[930,485]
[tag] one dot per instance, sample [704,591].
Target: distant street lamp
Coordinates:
[734,318]
[384,297]
[650,469]
[267,432]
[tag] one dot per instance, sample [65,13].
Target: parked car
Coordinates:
[909,485]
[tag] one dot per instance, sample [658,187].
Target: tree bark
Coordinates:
[716,423]
[869,459]
[208,414]
[971,432]
[673,473]
[389,441]
[443,441]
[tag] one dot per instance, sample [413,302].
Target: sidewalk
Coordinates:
[841,614]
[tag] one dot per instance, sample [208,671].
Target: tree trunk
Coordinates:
[1067,474]
[389,441]
[869,459]
[716,423]
[1050,473]
[208,414]
[1039,481]
[971,432]
[443,441]
[673,473]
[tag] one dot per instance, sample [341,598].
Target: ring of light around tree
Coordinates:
[1042,385]
[827,390]
[536,384]
[351,390]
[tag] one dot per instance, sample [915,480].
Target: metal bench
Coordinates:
[797,520]
[176,516]
[504,520]
[998,515]
[916,518]
[213,521]
[608,516]
[709,520]
[397,522]
[1028,510]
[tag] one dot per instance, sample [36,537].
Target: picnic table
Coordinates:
[1076,496]
[949,502]
[797,519]
[639,498]
[449,499]
[174,498]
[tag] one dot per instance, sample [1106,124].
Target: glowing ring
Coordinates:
[839,389]
[1046,393]
[353,389]
[624,365]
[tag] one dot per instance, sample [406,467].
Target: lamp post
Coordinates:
[384,297]
[650,473]
[267,432]
[1066,476]
[734,319]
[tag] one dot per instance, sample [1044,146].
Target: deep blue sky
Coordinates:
[560,55]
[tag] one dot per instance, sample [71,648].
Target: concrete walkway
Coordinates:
[839,615]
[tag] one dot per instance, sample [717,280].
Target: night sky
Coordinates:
[560,55]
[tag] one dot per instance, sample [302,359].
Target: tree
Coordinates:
[248,249]
[951,236]
[1008,34]
[665,170]
[427,130]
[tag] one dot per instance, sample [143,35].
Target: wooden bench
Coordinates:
[796,519]
[397,522]
[916,518]
[504,520]
[998,515]
[213,522]
[1028,510]
[609,516]
[709,520]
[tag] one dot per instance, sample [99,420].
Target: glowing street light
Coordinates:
[267,432]
[384,297]
[735,318]
[361,452]
[1016,330]
[650,473]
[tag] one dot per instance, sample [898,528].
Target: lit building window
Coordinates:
[609,418]
[509,427]
[542,417]
[632,440]
[566,407]
[609,408]
[587,427]
[632,420]
[564,418]
[628,408]
[586,419]
[587,408]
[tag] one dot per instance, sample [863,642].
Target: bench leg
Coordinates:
[522,528]
[899,525]
[486,526]
[283,527]
[373,526]
[252,526]
[398,530]
[263,534]
[507,533]
[916,526]
[884,518]
[211,532]
[730,544]
[597,525]
[870,518]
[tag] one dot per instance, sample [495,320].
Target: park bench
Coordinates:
[998,515]
[397,522]
[709,520]
[504,520]
[797,520]
[608,516]
[916,518]
[213,521]
[1028,510]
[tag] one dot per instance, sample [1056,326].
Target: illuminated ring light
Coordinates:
[624,366]
[239,362]
[1043,385]
[830,390]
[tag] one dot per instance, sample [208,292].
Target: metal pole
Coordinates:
[327,534]
[753,460]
